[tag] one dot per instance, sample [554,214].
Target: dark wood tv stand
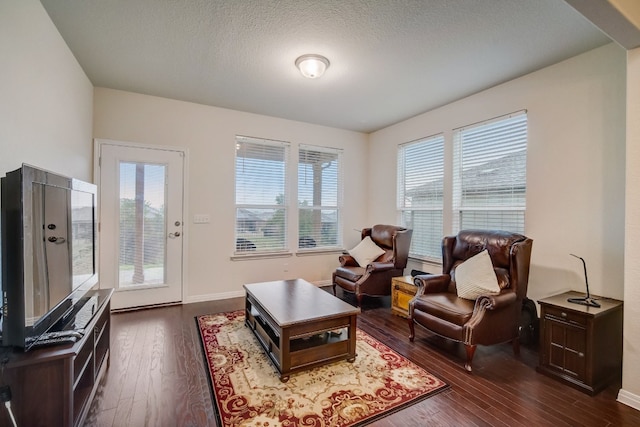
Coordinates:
[54,386]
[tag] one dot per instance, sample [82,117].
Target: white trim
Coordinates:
[186,229]
[258,255]
[327,251]
[422,162]
[238,294]
[492,120]
[97,144]
[100,141]
[629,399]
[214,297]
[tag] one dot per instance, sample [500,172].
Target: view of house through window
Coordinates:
[420,194]
[319,191]
[261,196]
[263,214]
[487,186]
[490,174]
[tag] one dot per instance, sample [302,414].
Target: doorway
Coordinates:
[141,223]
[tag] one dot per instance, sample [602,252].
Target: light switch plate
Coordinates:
[201,219]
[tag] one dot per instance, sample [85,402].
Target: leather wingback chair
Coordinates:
[375,279]
[490,319]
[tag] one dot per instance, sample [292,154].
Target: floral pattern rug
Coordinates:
[248,392]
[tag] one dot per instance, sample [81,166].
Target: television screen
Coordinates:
[63,246]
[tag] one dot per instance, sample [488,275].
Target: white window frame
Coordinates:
[323,206]
[496,177]
[421,173]
[249,248]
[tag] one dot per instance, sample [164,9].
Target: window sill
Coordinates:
[263,255]
[425,260]
[319,251]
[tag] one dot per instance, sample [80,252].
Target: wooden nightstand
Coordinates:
[580,345]
[402,290]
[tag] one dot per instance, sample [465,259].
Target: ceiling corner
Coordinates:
[619,19]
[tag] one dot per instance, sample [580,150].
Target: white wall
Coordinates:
[46,99]
[575,166]
[208,133]
[630,392]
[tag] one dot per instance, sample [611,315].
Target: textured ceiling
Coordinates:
[390,60]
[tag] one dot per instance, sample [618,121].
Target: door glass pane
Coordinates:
[142,224]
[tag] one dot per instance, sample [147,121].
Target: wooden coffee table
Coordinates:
[299,325]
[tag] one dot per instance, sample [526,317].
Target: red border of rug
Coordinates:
[358,423]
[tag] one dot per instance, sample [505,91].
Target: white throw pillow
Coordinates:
[366,252]
[476,277]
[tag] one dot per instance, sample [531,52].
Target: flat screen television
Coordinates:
[49,247]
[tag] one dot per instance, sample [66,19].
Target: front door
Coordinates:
[141,223]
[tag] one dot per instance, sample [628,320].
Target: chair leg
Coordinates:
[334,289]
[412,330]
[471,350]
[359,299]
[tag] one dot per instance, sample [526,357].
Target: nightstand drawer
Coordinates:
[555,313]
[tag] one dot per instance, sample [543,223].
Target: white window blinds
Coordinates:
[319,197]
[489,174]
[261,196]
[420,194]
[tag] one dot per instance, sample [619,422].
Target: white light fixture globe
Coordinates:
[312,66]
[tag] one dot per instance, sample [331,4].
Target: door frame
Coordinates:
[97,143]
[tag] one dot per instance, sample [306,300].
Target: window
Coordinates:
[420,194]
[261,196]
[319,197]
[143,211]
[489,174]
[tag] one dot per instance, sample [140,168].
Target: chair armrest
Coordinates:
[347,261]
[380,266]
[431,283]
[494,302]
[489,303]
[428,283]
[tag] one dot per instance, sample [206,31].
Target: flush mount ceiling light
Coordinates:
[312,66]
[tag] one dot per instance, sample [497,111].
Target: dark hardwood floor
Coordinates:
[157,377]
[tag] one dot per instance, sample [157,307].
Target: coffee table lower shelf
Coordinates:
[300,346]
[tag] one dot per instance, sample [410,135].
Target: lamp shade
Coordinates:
[312,66]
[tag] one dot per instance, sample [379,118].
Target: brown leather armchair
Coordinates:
[375,279]
[490,319]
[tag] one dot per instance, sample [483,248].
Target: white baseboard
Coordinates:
[236,294]
[629,399]
[214,297]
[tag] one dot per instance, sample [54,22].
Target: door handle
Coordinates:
[57,240]
[174,235]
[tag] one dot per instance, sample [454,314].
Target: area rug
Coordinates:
[247,390]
